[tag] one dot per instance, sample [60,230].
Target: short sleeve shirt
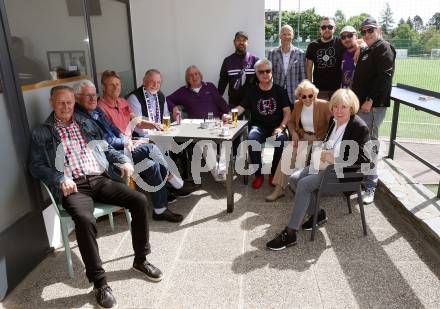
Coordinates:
[119,115]
[266,107]
[326,59]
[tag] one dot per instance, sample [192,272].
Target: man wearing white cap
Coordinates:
[348,36]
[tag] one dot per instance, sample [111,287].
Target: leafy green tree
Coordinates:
[418,24]
[404,37]
[409,22]
[357,20]
[429,39]
[339,17]
[387,19]
[269,31]
[435,21]
[433,42]
[309,23]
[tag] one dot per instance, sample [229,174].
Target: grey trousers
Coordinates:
[305,186]
[374,119]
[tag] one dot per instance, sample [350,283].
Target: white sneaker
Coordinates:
[368,196]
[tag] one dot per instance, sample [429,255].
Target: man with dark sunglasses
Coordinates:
[372,83]
[323,58]
[348,36]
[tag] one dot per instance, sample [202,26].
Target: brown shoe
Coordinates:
[276,194]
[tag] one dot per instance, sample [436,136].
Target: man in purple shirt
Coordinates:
[198,98]
[348,36]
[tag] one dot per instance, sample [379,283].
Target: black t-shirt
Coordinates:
[266,107]
[326,59]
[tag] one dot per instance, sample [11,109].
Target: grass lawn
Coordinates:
[422,73]
[432,187]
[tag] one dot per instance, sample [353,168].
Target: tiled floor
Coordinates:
[218,260]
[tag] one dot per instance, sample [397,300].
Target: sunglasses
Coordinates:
[329,27]
[369,30]
[310,96]
[346,36]
[264,72]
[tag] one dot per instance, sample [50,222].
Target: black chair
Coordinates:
[330,183]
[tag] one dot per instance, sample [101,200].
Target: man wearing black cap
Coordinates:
[237,70]
[372,82]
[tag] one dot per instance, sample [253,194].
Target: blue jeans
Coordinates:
[260,134]
[154,175]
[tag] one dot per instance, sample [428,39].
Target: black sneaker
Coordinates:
[171,198]
[105,298]
[186,190]
[281,241]
[152,272]
[322,219]
[167,215]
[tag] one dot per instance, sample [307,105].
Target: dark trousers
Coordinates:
[260,134]
[154,176]
[80,206]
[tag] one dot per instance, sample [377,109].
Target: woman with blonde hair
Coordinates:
[344,127]
[308,123]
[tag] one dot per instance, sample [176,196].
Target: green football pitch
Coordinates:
[421,73]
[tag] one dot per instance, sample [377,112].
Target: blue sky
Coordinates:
[400,8]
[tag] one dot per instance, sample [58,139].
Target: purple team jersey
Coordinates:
[347,69]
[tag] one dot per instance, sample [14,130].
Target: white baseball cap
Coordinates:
[348,29]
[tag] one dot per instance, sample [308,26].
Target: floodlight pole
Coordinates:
[299,15]
[279,20]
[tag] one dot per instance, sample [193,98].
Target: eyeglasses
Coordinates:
[90,96]
[264,72]
[310,96]
[329,27]
[346,36]
[369,30]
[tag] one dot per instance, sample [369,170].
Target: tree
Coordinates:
[435,21]
[269,31]
[430,39]
[409,22]
[433,42]
[387,19]
[357,20]
[418,24]
[404,37]
[339,17]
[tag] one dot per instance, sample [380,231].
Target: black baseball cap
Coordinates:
[241,33]
[370,22]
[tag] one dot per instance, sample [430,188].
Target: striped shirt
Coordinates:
[79,160]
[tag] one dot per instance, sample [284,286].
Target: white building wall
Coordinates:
[170,35]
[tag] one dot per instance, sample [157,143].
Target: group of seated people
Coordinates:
[79,174]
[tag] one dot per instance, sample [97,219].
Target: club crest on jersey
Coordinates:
[266,106]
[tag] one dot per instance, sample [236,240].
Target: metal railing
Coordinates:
[422,100]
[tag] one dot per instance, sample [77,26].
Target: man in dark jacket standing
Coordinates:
[372,83]
[237,70]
